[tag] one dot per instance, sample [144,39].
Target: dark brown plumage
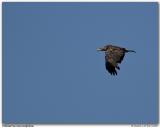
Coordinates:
[113,56]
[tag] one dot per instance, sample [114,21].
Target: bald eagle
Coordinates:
[113,56]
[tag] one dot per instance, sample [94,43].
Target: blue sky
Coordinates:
[52,72]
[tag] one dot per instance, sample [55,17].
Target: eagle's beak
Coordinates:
[100,49]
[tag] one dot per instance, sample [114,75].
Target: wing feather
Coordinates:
[114,56]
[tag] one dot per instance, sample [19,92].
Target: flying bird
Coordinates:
[113,56]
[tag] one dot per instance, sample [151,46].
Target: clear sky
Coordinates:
[52,72]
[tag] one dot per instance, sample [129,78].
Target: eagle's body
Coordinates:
[113,56]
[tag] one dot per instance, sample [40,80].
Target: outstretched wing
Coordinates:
[110,65]
[113,56]
[118,54]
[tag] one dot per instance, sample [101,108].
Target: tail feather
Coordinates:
[130,51]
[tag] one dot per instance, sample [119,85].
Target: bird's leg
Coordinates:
[118,67]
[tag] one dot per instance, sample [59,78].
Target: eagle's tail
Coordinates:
[130,51]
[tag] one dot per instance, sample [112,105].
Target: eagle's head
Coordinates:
[105,48]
